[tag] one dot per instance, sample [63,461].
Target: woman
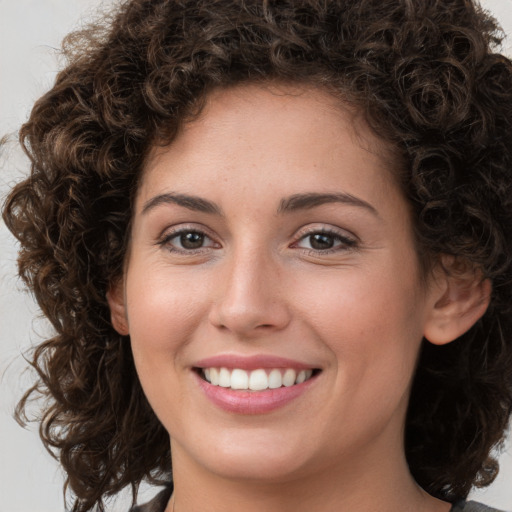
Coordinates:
[275,242]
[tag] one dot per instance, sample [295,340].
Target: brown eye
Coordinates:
[325,241]
[321,241]
[191,240]
[187,240]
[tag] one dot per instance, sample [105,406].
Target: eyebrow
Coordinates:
[194,203]
[313,199]
[290,204]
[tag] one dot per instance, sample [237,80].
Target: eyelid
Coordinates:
[348,240]
[327,229]
[173,231]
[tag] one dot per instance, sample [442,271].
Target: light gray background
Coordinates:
[30,35]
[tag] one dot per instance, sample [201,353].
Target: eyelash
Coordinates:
[345,242]
[168,237]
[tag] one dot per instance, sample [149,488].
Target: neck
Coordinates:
[361,484]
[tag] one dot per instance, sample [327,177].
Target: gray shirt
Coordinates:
[159,502]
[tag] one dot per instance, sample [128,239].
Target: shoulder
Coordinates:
[157,504]
[472,506]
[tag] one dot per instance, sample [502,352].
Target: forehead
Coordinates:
[241,105]
[276,132]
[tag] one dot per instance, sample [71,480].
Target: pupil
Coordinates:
[192,240]
[320,241]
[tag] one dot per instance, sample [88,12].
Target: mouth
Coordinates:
[259,379]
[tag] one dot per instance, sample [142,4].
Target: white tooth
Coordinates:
[274,379]
[309,373]
[289,377]
[258,380]
[206,372]
[214,376]
[301,377]
[239,379]
[224,378]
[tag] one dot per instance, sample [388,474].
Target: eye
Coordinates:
[187,240]
[325,241]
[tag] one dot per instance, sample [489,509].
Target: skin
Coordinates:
[258,285]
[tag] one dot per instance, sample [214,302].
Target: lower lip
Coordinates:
[252,402]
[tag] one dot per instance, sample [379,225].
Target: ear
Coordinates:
[460,297]
[117,304]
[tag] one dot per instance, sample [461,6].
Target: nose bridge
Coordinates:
[250,300]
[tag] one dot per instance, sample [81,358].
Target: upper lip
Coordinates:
[251,362]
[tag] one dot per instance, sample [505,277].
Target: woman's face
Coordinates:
[271,240]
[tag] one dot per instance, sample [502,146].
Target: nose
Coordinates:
[251,295]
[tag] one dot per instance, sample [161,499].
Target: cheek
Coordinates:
[163,312]
[372,323]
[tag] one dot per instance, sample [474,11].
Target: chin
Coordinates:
[266,470]
[257,457]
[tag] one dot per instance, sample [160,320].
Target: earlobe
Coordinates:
[461,300]
[116,302]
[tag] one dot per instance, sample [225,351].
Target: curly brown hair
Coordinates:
[425,75]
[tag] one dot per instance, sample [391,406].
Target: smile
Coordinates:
[256,384]
[255,380]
